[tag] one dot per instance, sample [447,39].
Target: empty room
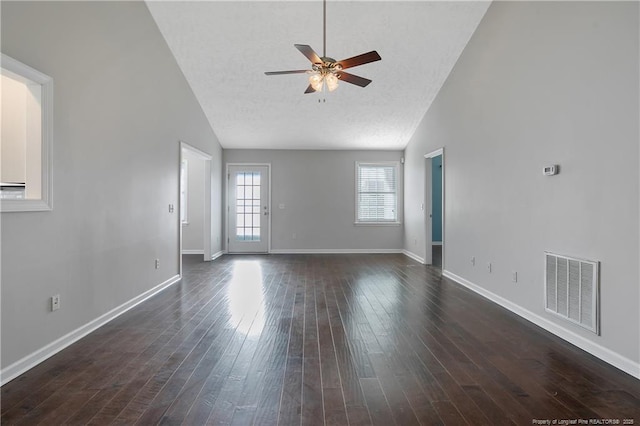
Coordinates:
[320,212]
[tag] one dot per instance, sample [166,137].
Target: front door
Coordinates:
[248,209]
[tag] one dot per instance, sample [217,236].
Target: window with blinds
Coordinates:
[377,192]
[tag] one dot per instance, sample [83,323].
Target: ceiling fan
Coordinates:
[327,70]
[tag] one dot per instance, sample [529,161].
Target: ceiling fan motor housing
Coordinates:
[328,65]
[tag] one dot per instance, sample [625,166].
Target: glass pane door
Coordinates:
[248,209]
[248,206]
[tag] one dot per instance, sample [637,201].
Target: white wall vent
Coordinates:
[572,290]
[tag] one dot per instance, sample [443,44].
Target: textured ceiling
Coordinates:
[223,49]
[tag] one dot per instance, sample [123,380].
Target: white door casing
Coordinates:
[208,218]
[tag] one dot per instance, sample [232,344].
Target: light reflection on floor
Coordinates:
[246,297]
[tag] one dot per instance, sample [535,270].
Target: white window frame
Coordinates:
[396,166]
[22,72]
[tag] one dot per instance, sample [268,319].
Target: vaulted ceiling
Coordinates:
[224,48]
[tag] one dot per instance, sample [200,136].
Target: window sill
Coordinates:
[8,205]
[377,223]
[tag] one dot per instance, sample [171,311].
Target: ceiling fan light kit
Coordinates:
[325,71]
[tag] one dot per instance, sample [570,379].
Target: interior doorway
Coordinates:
[195,202]
[434,211]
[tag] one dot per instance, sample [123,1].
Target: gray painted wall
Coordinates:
[541,83]
[193,232]
[121,105]
[317,189]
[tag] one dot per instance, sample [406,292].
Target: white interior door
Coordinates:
[248,209]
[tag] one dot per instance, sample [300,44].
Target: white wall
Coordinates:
[541,83]
[14,130]
[121,106]
[193,232]
[318,191]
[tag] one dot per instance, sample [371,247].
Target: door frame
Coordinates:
[207,218]
[226,191]
[428,185]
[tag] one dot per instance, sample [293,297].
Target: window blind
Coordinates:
[377,193]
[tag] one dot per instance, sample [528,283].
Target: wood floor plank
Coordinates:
[318,340]
[332,392]
[216,368]
[449,413]
[377,404]
[355,404]
[291,400]
[234,401]
[420,403]
[400,407]
[269,347]
[312,399]
[272,379]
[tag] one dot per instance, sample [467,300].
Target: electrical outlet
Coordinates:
[489,267]
[55,302]
[171,208]
[157,263]
[514,276]
[473,260]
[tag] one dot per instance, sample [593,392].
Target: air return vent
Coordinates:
[572,290]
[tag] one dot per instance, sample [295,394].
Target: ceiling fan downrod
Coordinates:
[324,28]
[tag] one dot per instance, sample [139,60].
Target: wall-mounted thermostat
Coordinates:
[551,170]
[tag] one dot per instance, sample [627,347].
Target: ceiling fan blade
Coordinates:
[309,90]
[365,58]
[353,79]
[286,72]
[309,53]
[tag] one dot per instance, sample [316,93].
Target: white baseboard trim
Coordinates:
[413,256]
[195,251]
[607,355]
[335,251]
[17,368]
[214,256]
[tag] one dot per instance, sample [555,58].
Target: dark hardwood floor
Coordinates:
[436,255]
[319,339]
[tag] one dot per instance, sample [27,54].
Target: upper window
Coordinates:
[377,193]
[25,152]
